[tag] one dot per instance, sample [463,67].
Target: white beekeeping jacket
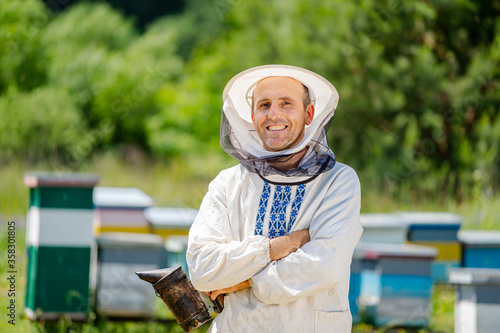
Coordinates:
[307,291]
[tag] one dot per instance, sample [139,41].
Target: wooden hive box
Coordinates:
[121,209]
[477,300]
[395,285]
[59,244]
[119,292]
[480,248]
[438,230]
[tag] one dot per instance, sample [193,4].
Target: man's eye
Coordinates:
[264,105]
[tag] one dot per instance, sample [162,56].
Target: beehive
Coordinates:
[480,248]
[121,209]
[119,292]
[395,283]
[438,230]
[59,243]
[170,221]
[383,228]
[477,301]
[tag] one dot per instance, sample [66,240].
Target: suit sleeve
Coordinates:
[325,260]
[214,258]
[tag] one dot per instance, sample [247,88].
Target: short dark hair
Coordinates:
[307,97]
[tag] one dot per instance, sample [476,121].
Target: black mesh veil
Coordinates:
[318,159]
[239,139]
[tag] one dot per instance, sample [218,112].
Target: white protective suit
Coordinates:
[306,291]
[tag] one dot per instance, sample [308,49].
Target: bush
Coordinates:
[125,96]
[21,63]
[42,125]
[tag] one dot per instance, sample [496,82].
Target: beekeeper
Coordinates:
[276,233]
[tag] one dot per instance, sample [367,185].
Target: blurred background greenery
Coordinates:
[419,83]
[132,91]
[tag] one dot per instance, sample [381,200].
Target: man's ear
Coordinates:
[309,114]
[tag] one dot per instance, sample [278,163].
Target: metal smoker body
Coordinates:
[178,293]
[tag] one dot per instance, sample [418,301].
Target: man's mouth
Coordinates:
[276,127]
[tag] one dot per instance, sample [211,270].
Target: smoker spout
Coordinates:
[154,275]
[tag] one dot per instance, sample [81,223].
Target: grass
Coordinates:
[443,302]
[183,182]
[478,212]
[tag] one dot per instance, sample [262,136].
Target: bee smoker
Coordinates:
[179,294]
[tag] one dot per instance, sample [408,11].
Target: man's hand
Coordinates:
[279,247]
[240,286]
[282,246]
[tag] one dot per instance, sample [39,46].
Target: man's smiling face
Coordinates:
[279,114]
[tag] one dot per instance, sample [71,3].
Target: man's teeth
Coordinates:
[276,127]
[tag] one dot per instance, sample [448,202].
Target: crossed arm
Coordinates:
[220,258]
[279,247]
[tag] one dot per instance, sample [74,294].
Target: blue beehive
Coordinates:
[480,248]
[355,286]
[438,230]
[395,283]
[377,228]
[176,247]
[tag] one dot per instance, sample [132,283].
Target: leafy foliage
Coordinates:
[20,27]
[415,93]
[41,123]
[418,80]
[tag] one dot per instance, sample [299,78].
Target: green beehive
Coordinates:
[59,242]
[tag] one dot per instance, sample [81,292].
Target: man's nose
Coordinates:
[274,111]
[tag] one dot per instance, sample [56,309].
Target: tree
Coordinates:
[42,124]
[419,103]
[21,24]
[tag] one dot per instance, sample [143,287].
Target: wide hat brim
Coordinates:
[240,88]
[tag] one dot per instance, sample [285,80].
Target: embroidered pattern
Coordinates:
[278,214]
[299,196]
[262,208]
[277,218]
